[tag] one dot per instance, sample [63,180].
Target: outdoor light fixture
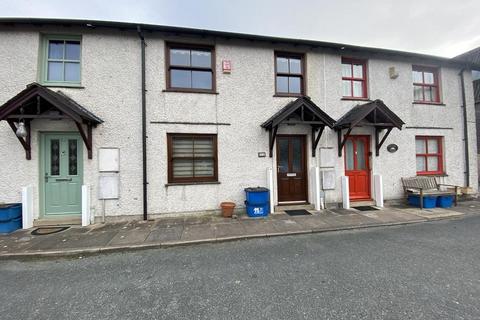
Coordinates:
[21,130]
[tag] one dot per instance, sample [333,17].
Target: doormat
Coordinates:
[297,212]
[42,231]
[365,208]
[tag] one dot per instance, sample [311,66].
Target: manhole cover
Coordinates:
[47,230]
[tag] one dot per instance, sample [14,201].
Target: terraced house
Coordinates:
[124,120]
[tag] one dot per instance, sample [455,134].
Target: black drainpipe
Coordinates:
[144,126]
[465,129]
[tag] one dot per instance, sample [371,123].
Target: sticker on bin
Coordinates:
[258,210]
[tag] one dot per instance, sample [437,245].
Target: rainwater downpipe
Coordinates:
[144,125]
[465,129]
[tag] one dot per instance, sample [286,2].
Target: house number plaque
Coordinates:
[392,148]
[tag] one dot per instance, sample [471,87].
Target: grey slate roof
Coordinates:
[60,100]
[366,112]
[172,30]
[293,106]
[472,56]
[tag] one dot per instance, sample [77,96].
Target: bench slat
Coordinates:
[426,183]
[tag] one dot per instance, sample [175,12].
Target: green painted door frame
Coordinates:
[61,174]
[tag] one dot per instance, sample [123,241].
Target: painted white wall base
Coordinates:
[86,216]
[270,187]
[27,207]
[315,178]
[345,193]
[378,190]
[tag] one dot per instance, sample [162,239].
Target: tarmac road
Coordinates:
[421,271]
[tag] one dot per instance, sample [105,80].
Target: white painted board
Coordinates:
[328,179]
[109,160]
[108,186]
[327,157]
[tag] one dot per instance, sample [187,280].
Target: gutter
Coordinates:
[144,126]
[465,129]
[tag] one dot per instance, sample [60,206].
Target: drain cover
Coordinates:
[42,231]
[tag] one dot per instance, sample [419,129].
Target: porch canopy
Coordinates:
[39,102]
[299,111]
[372,114]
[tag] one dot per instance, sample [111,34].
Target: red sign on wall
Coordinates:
[226,66]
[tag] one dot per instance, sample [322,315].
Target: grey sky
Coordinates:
[439,27]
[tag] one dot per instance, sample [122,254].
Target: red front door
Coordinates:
[357,167]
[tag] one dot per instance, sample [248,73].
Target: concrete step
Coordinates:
[57,221]
[354,204]
[282,208]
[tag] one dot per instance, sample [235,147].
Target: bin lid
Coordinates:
[9,205]
[256,189]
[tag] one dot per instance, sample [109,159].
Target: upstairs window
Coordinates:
[354,78]
[190,68]
[61,62]
[289,74]
[425,85]
[429,153]
[192,158]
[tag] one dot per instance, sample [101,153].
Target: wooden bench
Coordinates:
[428,186]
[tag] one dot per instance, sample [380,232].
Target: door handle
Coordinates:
[64,179]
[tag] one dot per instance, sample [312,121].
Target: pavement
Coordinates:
[166,232]
[415,271]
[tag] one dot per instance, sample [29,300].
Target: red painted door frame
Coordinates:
[359,175]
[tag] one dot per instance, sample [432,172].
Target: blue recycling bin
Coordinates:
[257,202]
[444,201]
[429,202]
[10,217]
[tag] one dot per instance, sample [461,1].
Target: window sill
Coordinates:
[60,85]
[355,99]
[288,95]
[189,91]
[190,183]
[432,175]
[429,103]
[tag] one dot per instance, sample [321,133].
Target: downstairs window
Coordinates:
[192,158]
[429,153]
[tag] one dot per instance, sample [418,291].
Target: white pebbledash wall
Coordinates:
[111,89]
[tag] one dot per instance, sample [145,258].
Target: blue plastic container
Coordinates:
[10,217]
[444,201]
[257,202]
[257,195]
[258,210]
[428,201]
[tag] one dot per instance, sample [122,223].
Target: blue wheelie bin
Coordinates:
[257,202]
[10,217]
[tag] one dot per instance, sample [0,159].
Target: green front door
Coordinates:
[62,173]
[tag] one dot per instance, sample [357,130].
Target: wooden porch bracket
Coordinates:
[379,143]
[87,137]
[341,142]
[316,139]
[26,143]
[272,133]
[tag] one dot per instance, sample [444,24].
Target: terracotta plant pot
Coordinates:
[227,209]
